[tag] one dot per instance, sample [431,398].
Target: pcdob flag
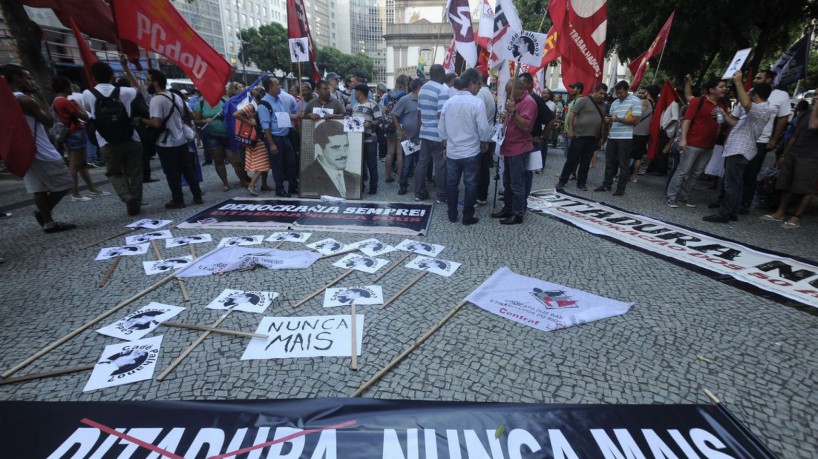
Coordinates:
[541,305]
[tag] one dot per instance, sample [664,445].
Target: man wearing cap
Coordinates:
[431,98]
[335,92]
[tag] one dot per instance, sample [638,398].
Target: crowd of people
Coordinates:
[445,133]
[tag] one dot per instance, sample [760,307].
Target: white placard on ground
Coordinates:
[420,248]
[141,322]
[147,237]
[167,265]
[289,236]
[343,296]
[241,240]
[148,223]
[361,262]
[243,300]
[328,246]
[187,240]
[373,247]
[125,363]
[126,250]
[312,336]
[434,265]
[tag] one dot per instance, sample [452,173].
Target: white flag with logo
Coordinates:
[521,46]
[460,17]
[238,258]
[540,304]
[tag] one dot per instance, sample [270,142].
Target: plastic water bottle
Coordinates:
[719,116]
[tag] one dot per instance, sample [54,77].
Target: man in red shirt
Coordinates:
[521,111]
[700,128]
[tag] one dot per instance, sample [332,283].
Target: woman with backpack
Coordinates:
[215,139]
[70,131]
[256,156]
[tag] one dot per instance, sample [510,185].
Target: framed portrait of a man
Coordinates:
[331,160]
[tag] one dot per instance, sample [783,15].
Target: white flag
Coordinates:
[505,18]
[540,304]
[237,258]
[521,46]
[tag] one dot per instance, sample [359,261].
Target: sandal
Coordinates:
[771,218]
[252,191]
[791,225]
[225,188]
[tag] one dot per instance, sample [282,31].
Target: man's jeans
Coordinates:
[430,151]
[284,164]
[177,162]
[469,168]
[581,152]
[123,167]
[734,168]
[409,163]
[751,175]
[692,162]
[514,183]
[617,157]
[371,164]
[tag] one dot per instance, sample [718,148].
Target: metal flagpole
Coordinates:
[437,43]
[656,72]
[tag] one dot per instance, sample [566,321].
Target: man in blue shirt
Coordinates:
[431,98]
[273,111]
[624,114]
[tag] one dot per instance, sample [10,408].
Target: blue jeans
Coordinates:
[409,164]
[734,168]
[692,162]
[430,151]
[617,157]
[371,163]
[284,164]
[514,183]
[469,168]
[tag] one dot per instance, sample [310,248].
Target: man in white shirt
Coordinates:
[171,144]
[464,127]
[487,157]
[121,149]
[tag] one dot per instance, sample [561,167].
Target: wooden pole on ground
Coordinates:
[156,251]
[354,334]
[405,288]
[48,374]
[110,271]
[280,243]
[318,292]
[400,260]
[185,295]
[190,348]
[408,351]
[337,253]
[85,326]
[222,331]
[129,230]
[192,251]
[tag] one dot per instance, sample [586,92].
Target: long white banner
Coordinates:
[784,276]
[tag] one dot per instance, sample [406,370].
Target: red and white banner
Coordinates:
[449,59]
[505,18]
[460,18]
[784,276]
[540,304]
[666,97]
[485,30]
[299,27]
[157,26]
[640,64]
[582,27]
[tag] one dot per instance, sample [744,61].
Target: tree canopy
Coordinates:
[332,60]
[266,46]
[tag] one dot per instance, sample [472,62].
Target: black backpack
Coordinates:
[111,118]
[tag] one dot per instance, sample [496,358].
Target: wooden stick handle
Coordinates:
[405,288]
[400,260]
[408,351]
[84,327]
[156,249]
[711,396]
[192,251]
[190,348]
[318,292]
[280,243]
[129,230]
[337,253]
[354,334]
[109,272]
[222,331]
[49,374]
[185,295]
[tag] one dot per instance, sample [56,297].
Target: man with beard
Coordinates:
[327,175]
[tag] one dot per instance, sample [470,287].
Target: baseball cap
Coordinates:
[333,76]
[382,87]
[184,92]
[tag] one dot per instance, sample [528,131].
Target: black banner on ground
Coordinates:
[310,215]
[365,428]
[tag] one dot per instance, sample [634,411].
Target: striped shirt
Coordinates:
[620,109]
[742,138]
[431,98]
[369,111]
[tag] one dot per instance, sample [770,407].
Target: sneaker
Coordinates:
[99,193]
[402,191]
[80,199]
[133,206]
[56,227]
[672,204]
[421,197]
[174,205]
[602,188]
[716,219]
[90,165]
[690,204]
[440,201]
[5,214]
[560,187]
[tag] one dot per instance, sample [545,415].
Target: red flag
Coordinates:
[449,59]
[640,64]
[17,149]
[88,56]
[157,26]
[299,27]
[581,27]
[666,97]
[92,17]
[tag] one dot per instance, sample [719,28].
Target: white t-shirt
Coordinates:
[45,149]
[161,105]
[780,101]
[126,96]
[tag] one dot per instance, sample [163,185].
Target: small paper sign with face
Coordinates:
[410,147]
[241,240]
[311,336]
[148,223]
[241,300]
[322,112]
[373,247]
[420,248]
[147,237]
[125,250]
[499,134]
[289,236]
[354,124]
[164,266]
[343,296]
[299,49]
[141,322]
[125,363]
[283,120]
[360,262]
[437,266]
[736,63]
[187,240]
[328,246]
